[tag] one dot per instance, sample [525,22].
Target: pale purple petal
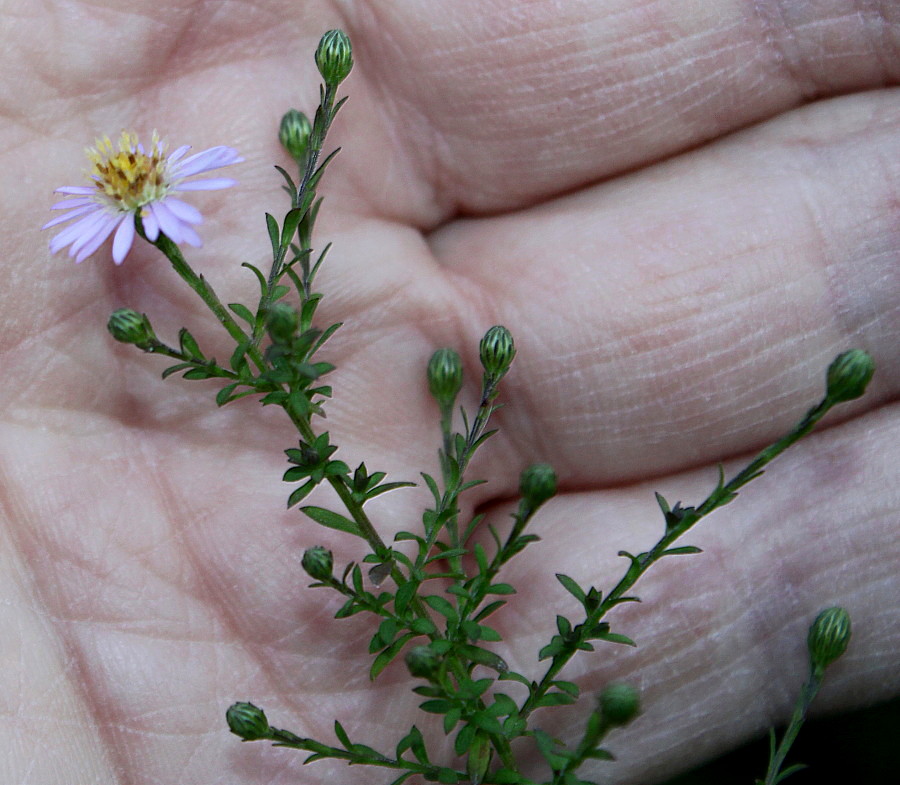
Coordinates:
[190,236]
[65,204]
[96,241]
[206,185]
[76,189]
[213,158]
[124,239]
[168,223]
[70,215]
[151,225]
[184,211]
[70,234]
[176,156]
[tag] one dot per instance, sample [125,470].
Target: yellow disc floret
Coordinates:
[130,176]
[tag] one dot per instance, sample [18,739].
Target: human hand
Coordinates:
[675,290]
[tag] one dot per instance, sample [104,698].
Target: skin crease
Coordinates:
[682,210]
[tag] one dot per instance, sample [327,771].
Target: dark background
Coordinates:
[857,747]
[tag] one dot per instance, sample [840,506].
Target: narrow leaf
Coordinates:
[332,520]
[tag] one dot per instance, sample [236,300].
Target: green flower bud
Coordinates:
[334,57]
[294,134]
[281,322]
[497,351]
[537,484]
[318,563]
[848,375]
[445,376]
[619,703]
[247,721]
[828,637]
[129,326]
[423,662]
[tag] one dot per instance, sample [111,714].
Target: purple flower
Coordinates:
[129,182]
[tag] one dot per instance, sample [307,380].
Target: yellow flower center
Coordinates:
[129,177]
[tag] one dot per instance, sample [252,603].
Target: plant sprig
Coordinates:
[434,607]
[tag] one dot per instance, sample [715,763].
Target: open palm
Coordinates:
[669,206]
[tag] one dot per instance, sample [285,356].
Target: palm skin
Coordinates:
[676,286]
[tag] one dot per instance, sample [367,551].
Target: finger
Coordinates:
[500,105]
[688,312]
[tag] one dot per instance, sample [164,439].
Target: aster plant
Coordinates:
[433,592]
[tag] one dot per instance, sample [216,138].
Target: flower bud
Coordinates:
[497,351]
[294,134]
[247,721]
[129,326]
[281,322]
[423,662]
[318,563]
[619,703]
[445,375]
[828,637]
[537,484]
[848,375]
[334,57]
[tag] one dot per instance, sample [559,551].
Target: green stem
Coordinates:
[719,497]
[353,507]
[807,694]
[173,253]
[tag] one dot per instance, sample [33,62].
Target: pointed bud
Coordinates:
[497,351]
[334,57]
[247,721]
[828,637]
[318,563]
[537,484]
[848,375]
[294,134]
[129,326]
[619,703]
[423,662]
[281,322]
[445,376]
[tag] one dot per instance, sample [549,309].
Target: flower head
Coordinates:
[131,181]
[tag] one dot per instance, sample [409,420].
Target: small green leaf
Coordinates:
[263,284]
[489,609]
[290,226]
[175,369]
[421,626]
[189,344]
[437,706]
[342,736]
[383,659]
[272,228]
[443,607]
[484,657]
[554,699]
[572,587]
[224,395]
[301,493]
[568,687]
[332,520]
[197,373]
[684,549]
[500,588]
[244,312]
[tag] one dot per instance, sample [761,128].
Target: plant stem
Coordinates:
[173,253]
[722,495]
[807,694]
